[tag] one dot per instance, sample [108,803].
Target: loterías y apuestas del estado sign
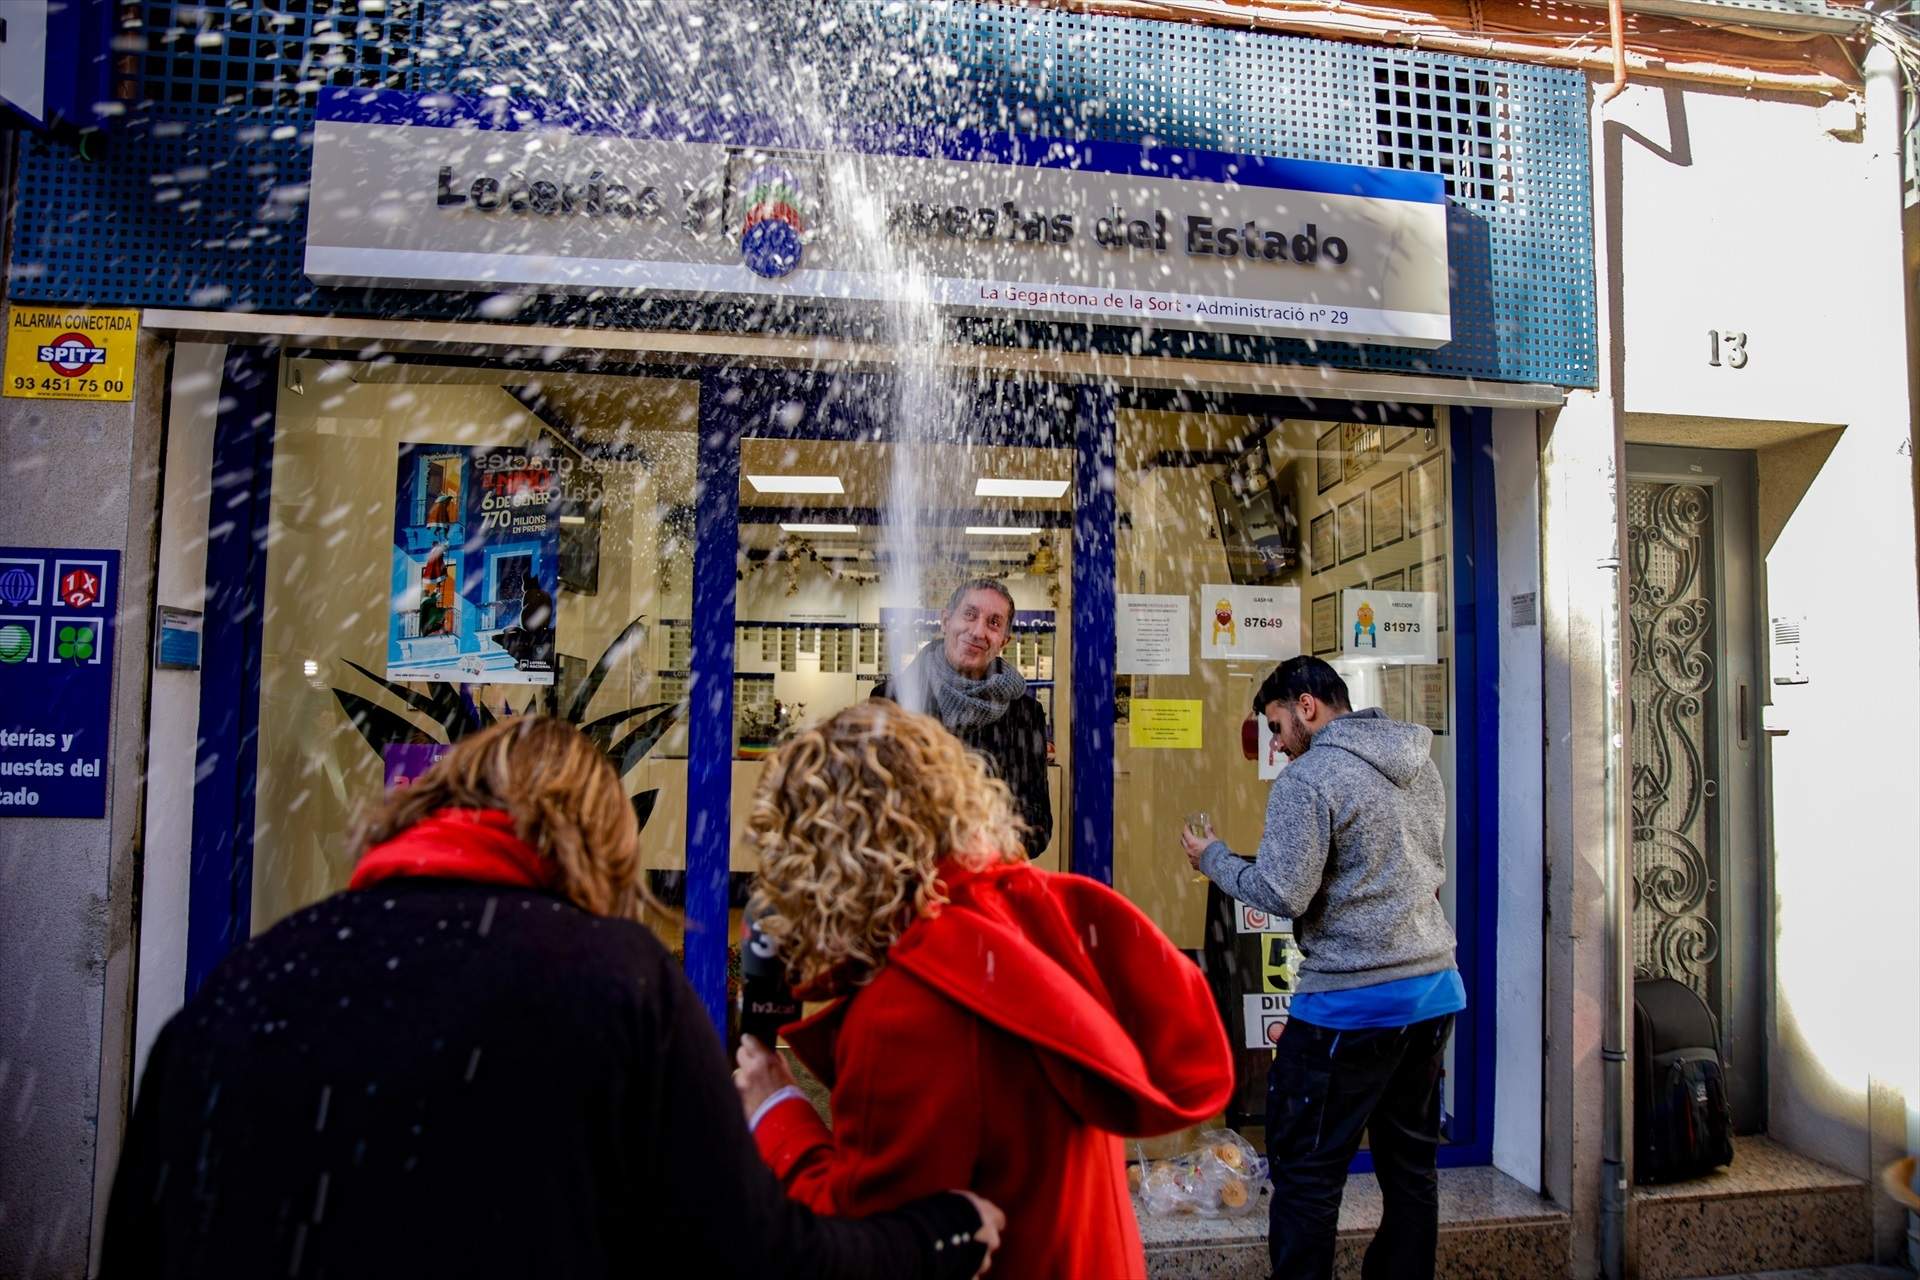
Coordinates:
[441,192]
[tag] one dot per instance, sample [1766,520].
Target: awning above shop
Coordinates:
[609,349]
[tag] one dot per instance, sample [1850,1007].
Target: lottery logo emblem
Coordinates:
[75,643]
[17,585]
[80,588]
[1223,623]
[72,354]
[772,237]
[16,643]
[1364,632]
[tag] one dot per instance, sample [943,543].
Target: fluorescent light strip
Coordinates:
[998,487]
[1000,530]
[819,528]
[796,484]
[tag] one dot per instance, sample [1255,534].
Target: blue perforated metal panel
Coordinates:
[199,201]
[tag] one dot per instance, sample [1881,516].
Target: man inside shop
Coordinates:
[1353,850]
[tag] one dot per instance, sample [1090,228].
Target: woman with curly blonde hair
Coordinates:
[476,1062]
[994,1023]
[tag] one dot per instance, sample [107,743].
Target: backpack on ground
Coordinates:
[1682,1121]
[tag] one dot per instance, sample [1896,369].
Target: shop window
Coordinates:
[1340,532]
[383,637]
[823,615]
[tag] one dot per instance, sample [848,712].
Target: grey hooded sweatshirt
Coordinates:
[1354,852]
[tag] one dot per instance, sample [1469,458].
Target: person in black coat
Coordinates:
[476,1062]
[962,681]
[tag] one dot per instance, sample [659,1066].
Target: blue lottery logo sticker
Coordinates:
[773,234]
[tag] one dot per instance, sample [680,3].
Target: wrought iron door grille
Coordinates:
[1672,605]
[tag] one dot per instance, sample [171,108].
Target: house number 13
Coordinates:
[1724,346]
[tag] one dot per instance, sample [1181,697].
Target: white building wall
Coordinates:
[1779,220]
[1518,1068]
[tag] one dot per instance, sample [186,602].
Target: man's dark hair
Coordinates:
[1301,675]
[982,584]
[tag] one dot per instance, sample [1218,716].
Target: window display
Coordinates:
[1360,582]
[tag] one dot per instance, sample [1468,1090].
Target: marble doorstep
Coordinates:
[1770,1210]
[1490,1226]
[1857,1271]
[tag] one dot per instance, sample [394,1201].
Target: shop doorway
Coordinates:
[1700,857]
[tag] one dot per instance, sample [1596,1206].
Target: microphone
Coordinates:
[767,1003]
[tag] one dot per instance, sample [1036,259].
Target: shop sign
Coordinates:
[433,191]
[476,564]
[1249,623]
[71,354]
[57,618]
[1399,625]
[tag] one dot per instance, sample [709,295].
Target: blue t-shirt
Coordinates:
[1389,1004]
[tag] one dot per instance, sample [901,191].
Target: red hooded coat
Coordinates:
[1004,1046]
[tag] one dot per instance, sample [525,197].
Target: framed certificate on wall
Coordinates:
[1431,575]
[1326,460]
[1393,692]
[1387,513]
[1427,695]
[1351,529]
[1321,555]
[1427,493]
[1324,621]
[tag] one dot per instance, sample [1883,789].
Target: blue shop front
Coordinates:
[684,426]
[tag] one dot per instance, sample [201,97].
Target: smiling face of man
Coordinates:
[976,630]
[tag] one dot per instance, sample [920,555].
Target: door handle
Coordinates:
[1741,713]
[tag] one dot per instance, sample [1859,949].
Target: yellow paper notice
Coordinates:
[70,353]
[1164,722]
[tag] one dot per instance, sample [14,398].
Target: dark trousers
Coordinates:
[1324,1089]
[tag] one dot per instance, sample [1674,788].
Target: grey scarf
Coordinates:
[959,702]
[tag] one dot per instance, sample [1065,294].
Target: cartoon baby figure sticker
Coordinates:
[1223,622]
[1363,628]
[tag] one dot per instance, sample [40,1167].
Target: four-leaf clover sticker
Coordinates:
[75,643]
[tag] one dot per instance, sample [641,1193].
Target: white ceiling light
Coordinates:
[796,484]
[1000,530]
[1001,487]
[819,528]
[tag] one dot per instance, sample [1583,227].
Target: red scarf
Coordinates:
[459,844]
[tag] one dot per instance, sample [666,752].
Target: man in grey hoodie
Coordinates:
[1354,852]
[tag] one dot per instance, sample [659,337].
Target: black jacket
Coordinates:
[1015,747]
[443,1078]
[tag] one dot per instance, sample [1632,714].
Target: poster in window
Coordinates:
[1398,437]
[1427,695]
[1320,549]
[476,564]
[1326,460]
[1431,575]
[1395,581]
[1351,529]
[1325,624]
[1387,513]
[1427,494]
